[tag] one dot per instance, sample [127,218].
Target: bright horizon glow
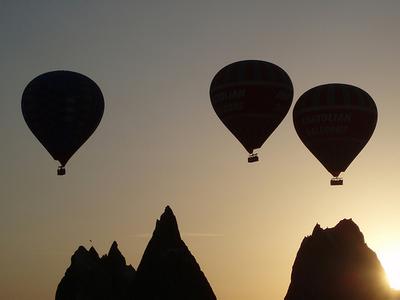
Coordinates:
[390,260]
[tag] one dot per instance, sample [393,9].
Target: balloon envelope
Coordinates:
[335,122]
[62,109]
[251,98]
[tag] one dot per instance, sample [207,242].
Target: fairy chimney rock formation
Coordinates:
[336,264]
[167,271]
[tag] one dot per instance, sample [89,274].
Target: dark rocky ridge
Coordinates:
[331,264]
[91,277]
[336,264]
[167,271]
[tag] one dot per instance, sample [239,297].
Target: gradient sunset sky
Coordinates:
[160,142]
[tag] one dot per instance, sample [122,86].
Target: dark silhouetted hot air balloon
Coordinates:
[62,109]
[251,98]
[335,122]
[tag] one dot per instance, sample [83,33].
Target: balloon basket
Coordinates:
[61,171]
[337,181]
[252,158]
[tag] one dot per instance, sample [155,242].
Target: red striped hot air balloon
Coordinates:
[335,122]
[251,98]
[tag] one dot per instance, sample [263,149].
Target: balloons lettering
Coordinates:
[335,121]
[251,98]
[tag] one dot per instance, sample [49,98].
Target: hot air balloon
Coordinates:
[335,122]
[251,98]
[62,109]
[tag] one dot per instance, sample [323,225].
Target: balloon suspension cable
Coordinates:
[252,158]
[61,171]
[337,181]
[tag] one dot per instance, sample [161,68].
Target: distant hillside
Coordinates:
[167,271]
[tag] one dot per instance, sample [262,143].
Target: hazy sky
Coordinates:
[161,143]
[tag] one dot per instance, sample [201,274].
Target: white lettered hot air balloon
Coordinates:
[251,98]
[335,121]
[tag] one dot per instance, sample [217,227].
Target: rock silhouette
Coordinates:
[167,271]
[336,264]
[91,277]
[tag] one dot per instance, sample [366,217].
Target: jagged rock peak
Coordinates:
[114,246]
[80,251]
[82,255]
[336,264]
[93,252]
[167,226]
[349,228]
[345,231]
[114,256]
[114,251]
[92,277]
[168,270]
[317,230]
